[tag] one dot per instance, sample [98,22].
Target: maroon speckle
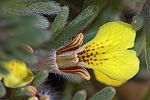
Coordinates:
[95,59]
[105,59]
[88,56]
[83,56]
[103,52]
[102,46]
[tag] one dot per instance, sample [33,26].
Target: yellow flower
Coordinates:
[19,74]
[108,55]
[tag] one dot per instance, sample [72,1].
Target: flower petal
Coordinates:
[19,74]
[76,70]
[108,53]
[118,65]
[106,80]
[73,45]
[117,35]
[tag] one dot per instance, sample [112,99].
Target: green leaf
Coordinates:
[27,33]
[74,27]
[18,91]
[24,55]
[3,70]
[40,78]
[2,89]
[139,42]
[147,52]
[42,22]
[72,77]
[137,22]
[146,29]
[60,21]
[17,8]
[88,37]
[44,7]
[80,95]
[105,94]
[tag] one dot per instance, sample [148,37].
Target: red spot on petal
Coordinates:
[91,54]
[83,56]
[105,59]
[88,50]
[88,56]
[95,59]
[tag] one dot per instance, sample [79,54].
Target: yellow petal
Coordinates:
[108,53]
[106,80]
[118,35]
[118,65]
[19,74]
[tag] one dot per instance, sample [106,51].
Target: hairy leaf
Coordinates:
[75,26]
[60,21]
[17,8]
[139,42]
[80,95]
[146,29]
[40,78]
[105,94]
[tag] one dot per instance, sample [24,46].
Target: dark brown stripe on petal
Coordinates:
[32,90]
[77,71]
[75,44]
